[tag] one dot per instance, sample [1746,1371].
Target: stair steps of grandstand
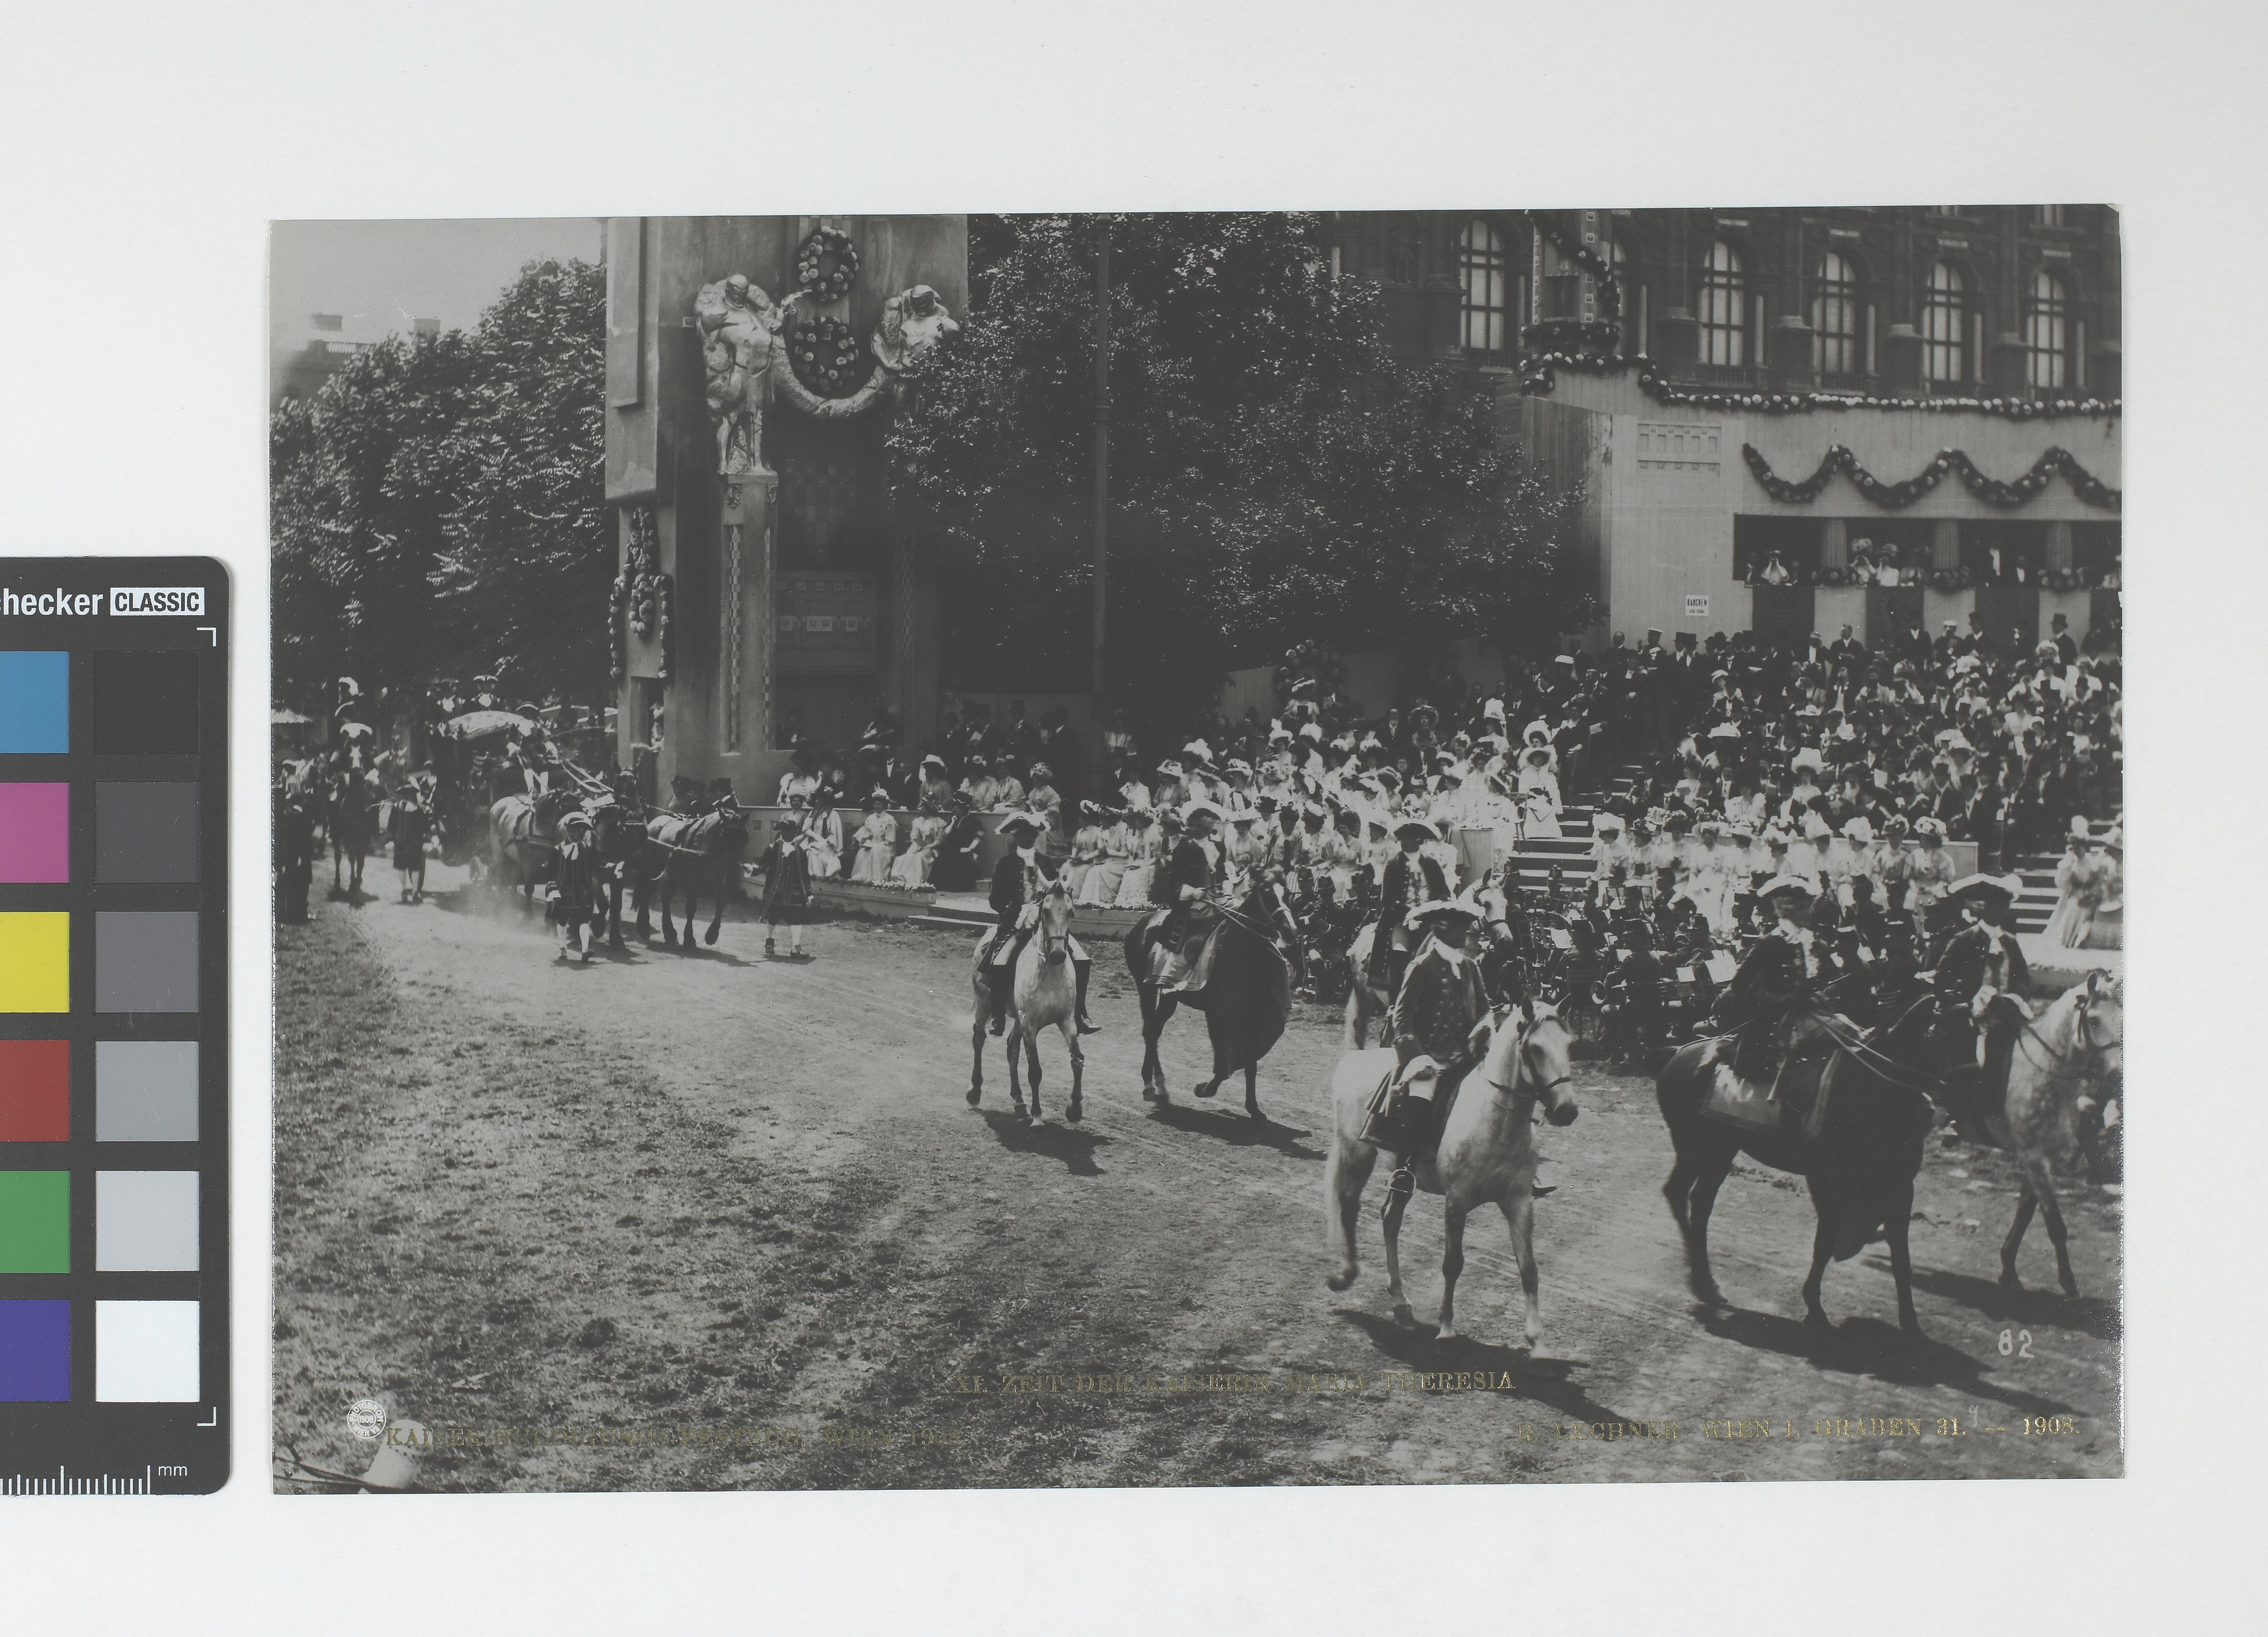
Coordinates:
[956,911]
[2037,870]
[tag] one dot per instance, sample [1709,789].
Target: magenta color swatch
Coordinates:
[35,832]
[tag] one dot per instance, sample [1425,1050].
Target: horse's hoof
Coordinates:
[976,1095]
[1340,1282]
[1816,1320]
[1403,1316]
[710,938]
[1447,1332]
[2008,1279]
[1255,1113]
[2070,1289]
[1203,1090]
[1073,1114]
[1022,1118]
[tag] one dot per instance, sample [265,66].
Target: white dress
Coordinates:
[823,842]
[1100,887]
[878,846]
[1148,851]
[910,868]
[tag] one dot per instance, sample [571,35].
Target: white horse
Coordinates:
[1486,1156]
[2064,1060]
[1043,994]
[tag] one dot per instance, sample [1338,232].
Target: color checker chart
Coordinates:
[113,1009]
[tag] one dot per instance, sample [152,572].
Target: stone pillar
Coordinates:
[1789,354]
[1944,543]
[2005,363]
[2058,547]
[1834,542]
[745,637]
[2103,370]
[1900,358]
[1677,339]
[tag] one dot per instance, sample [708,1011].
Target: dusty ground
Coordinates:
[710,1222]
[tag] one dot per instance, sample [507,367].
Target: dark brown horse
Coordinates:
[618,834]
[1860,1167]
[1246,1002]
[699,854]
[351,821]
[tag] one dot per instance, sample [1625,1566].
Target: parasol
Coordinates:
[479,724]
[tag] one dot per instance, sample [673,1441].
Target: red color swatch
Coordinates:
[35,1091]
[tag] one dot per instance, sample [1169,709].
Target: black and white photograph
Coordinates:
[1194,849]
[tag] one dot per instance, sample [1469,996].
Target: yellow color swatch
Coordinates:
[35,963]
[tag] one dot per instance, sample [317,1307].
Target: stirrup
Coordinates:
[1401,1186]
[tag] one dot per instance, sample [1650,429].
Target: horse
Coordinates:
[1365,1003]
[1042,995]
[2064,1061]
[1487,1154]
[351,821]
[697,854]
[619,837]
[522,853]
[1860,1167]
[1246,1002]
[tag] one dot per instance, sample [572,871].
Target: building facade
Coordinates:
[766,589]
[1791,420]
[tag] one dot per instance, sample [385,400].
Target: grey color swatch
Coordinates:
[145,1221]
[145,832]
[146,1091]
[145,961]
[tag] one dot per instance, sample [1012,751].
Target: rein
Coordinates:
[2083,1041]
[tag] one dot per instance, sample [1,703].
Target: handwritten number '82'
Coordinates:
[2018,1342]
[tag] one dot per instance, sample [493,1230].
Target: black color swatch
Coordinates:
[145,702]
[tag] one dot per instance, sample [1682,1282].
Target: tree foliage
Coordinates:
[438,508]
[1276,473]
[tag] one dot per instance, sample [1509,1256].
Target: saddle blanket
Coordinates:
[1795,1103]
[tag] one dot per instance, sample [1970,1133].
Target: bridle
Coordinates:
[1521,1091]
[2083,1024]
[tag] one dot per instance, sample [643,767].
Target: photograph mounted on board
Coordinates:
[1198,849]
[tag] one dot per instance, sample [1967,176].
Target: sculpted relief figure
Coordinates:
[740,342]
[914,324]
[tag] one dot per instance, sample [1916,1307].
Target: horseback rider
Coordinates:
[1412,878]
[1018,882]
[1196,871]
[1972,966]
[1439,1014]
[1774,985]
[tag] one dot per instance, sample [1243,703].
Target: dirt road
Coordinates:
[712,1221]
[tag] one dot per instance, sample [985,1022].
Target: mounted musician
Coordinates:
[1770,994]
[1019,882]
[1195,873]
[1438,1031]
[1972,967]
[1413,878]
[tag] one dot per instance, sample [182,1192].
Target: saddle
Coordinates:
[1408,1125]
[1792,1103]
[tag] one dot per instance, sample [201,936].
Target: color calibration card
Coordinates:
[114,1040]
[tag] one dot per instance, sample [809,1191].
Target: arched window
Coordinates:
[1484,267]
[1943,316]
[2047,330]
[1834,318]
[1724,309]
